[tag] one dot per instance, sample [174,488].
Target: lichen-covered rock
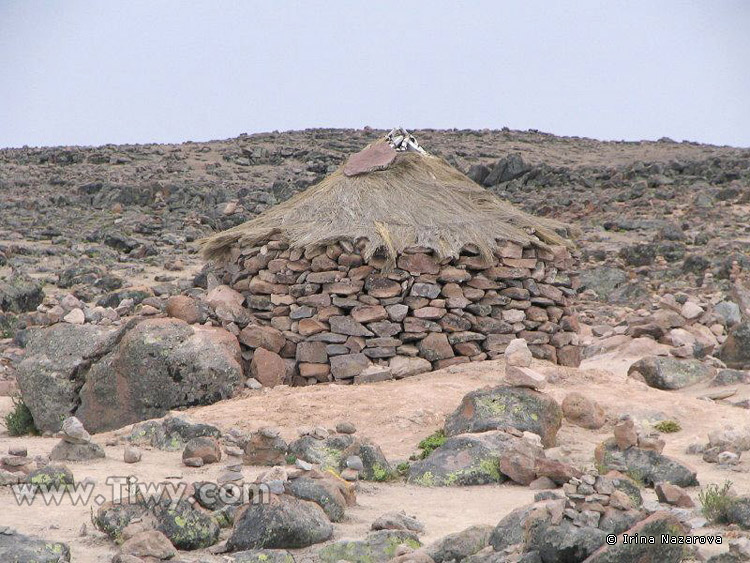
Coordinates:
[284,522]
[171,432]
[326,493]
[19,548]
[377,547]
[507,407]
[739,512]
[263,556]
[471,459]
[186,526]
[646,466]
[327,452]
[656,526]
[158,365]
[375,466]
[510,530]
[670,373]
[65,451]
[53,369]
[52,476]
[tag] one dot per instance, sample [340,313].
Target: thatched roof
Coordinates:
[418,200]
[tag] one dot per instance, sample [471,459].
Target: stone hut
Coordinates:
[393,265]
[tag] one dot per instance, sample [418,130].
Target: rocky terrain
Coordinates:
[109,316]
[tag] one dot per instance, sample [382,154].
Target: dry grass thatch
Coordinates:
[419,200]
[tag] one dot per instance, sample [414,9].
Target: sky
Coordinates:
[76,72]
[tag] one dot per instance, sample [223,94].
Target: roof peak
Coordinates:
[401,140]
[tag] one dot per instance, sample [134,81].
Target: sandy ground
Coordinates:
[396,415]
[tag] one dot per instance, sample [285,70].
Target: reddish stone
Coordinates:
[267,337]
[184,308]
[268,367]
[378,156]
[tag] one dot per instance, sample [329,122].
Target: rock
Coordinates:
[739,512]
[75,317]
[51,372]
[404,366]
[524,377]
[674,495]
[66,451]
[435,346]
[262,337]
[20,293]
[459,545]
[691,310]
[326,493]
[149,543]
[583,412]
[184,308]
[284,522]
[51,475]
[345,427]
[397,521]
[730,377]
[348,365]
[506,169]
[326,452]
[205,448]
[626,435]
[262,556]
[501,407]
[475,459]
[375,466]
[735,352]
[186,526]
[74,432]
[603,280]
[19,548]
[669,373]
[510,530]
[655,526]
[159,365]
[170,433]
[377,547]
[561,542]
[729,312]
[645,465]
[263,448]
[268,367]
[132,454]
[518,354]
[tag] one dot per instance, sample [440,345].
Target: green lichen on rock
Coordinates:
[377,547]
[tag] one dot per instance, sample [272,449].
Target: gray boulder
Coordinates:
[458,546]
[19,293]
[735,352]
[739,512]
[506,169]
[670,373]
[285,522]
[18,548]
[647,466]
[159,365]
[563,542]
[603,280]
[54,368]
[327,452]
[263,556]
[323,492]
[65,451]
[510,530]
[471,459]
[507,407]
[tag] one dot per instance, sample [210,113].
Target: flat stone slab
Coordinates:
[375,157]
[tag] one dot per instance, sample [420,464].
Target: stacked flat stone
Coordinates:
[325,314]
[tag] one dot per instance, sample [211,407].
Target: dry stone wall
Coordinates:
[326,314]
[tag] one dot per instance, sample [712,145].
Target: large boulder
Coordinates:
[657,526]
[326,493]
[18,548]
[159,365]
[510,530]
[459,545]
[53,370]
[735,352]
[670,373]
[263,556]
[477,459]
[647,466]
[739,512]
[507,407]
[326,452]
[19,293]
[377,547]
[563,542]
[284,522]
[187,526]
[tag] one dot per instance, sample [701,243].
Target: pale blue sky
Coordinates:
[99,71]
